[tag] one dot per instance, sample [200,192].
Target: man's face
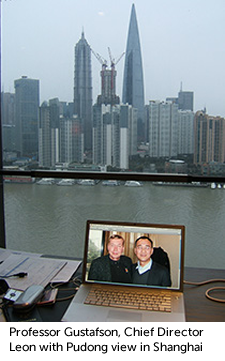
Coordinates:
[115,248]
[143,251]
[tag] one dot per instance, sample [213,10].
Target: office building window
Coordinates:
[127,98]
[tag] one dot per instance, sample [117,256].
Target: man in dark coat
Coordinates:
[146,271]
[113,267]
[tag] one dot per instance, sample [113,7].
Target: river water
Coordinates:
[51,219]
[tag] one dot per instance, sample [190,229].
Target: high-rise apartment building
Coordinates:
[128,126]
[60,135]
[8,137]
[8,121]
[54,108]
[102,134]
[26,116]
[49,133]
[8,108]
[163,122]
[44,137]
[128,134]
[72,140]
[133,81]
[209,142]
[185,132]
[114,135]
[83,89]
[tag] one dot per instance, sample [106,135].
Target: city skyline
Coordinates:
[179,43]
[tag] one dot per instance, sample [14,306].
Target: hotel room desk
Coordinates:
[198,307]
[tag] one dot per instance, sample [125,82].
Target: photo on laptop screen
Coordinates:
[134,254]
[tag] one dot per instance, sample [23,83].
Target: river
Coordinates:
[51,219]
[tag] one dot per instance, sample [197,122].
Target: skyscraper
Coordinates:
[163,120]
[114,134]
[186,100]
[8,121]
[8,108]
[133,82]
[83,89]
[49,133]
[71,140]
[185,132]
[26,116]
[44,144]
[108,91]
[209,142]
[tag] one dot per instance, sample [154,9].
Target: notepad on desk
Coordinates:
[66,272]
[40,270]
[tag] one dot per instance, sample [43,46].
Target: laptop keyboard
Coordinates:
[138,300]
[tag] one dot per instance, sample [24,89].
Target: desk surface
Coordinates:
[198,307]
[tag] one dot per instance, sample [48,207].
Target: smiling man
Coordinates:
[146,271]
[113,267]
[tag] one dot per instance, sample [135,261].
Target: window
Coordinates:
[85,101]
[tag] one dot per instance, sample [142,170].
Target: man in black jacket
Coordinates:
[114,267]
[146,271]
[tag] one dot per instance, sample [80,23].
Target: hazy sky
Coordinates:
[181,41]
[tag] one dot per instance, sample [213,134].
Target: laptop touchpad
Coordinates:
[121,316]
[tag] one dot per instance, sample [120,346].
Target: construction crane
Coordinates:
[104,65]
[113,64]
[113,61]
[100,59]
[108,90]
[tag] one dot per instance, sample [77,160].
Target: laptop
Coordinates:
[168,239]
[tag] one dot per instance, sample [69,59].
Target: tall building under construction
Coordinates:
[133,82]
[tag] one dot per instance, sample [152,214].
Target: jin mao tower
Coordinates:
[83,89]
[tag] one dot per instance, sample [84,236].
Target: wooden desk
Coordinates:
[198,307]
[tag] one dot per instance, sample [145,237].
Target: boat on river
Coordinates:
[86,182]
[110,183]
[133,184]
[66,182]
[181,184]
[46,181]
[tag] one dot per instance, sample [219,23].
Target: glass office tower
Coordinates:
[83,89]
[26,121]
[133,82]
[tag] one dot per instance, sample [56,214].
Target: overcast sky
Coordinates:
[181,41]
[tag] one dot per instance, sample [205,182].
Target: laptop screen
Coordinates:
[134,254]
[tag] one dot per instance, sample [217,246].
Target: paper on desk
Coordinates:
[5,253]
[65,274]
[40,270]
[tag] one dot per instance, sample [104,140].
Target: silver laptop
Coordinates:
[106,278]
